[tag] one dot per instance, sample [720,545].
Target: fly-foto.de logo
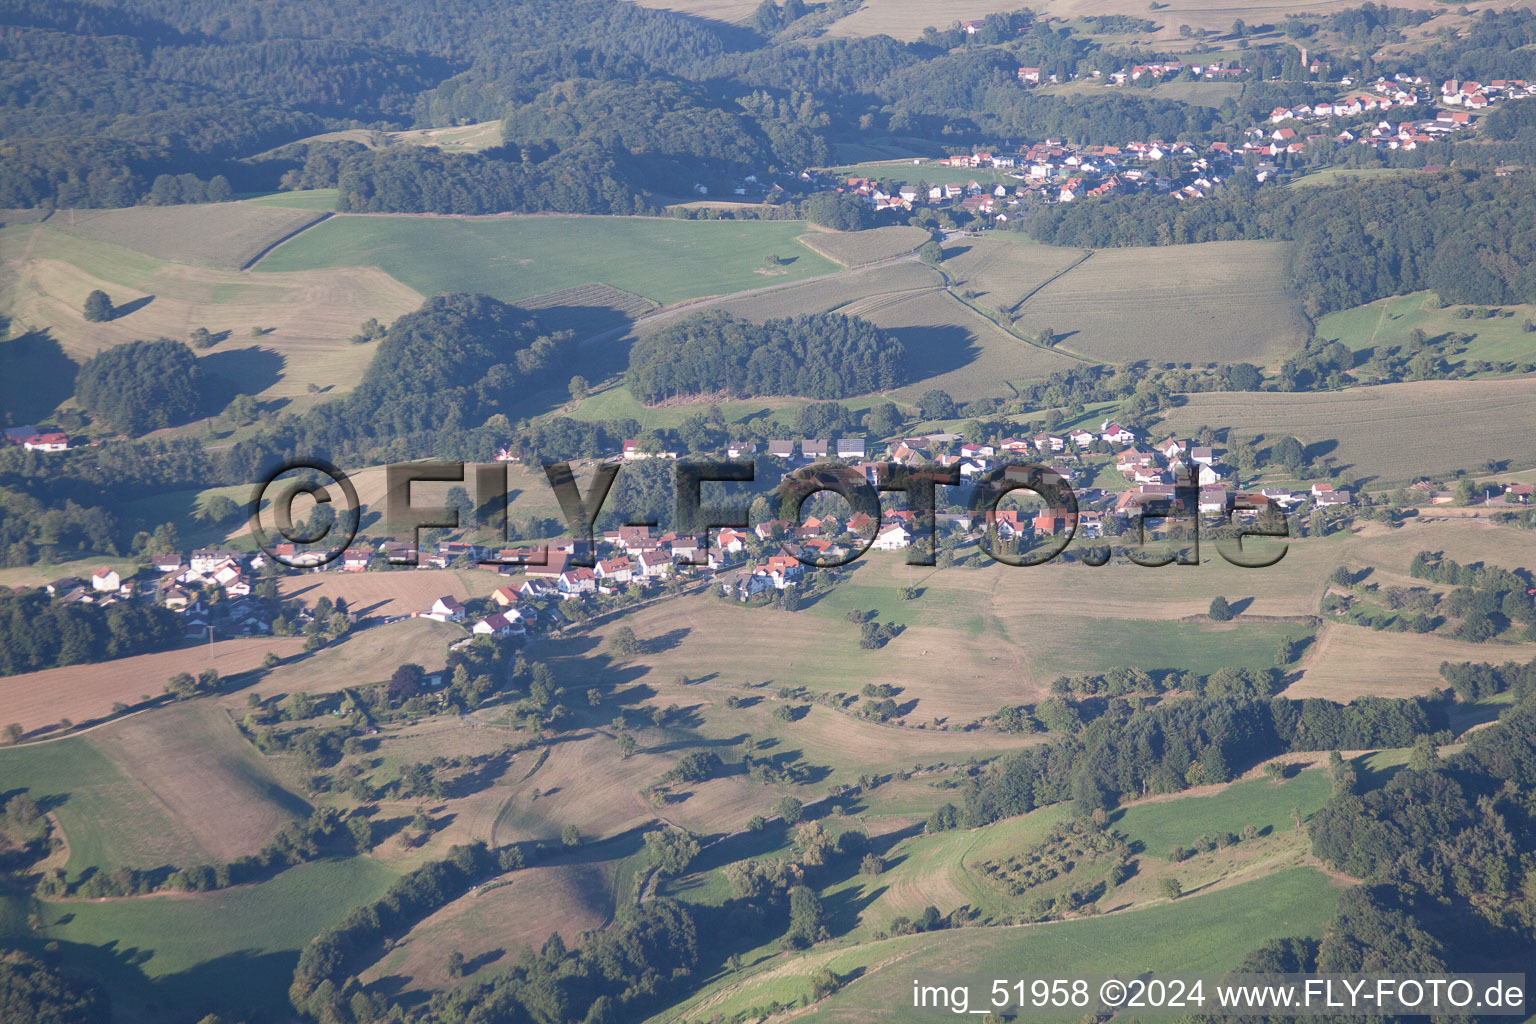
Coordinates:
[1177,520]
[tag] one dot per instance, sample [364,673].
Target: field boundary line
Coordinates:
[325,215]
[1063,272]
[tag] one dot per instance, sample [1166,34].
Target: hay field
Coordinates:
[395,592]
[1218,15]
[515,257]
[174,786]
[906,19]
[309,317]
[1216,302]
[978,639]
[1391,433]
[366,656]
[586,783]
[493,928]
[210,781]
[823,296]
[1349,661]
[81,693]
[225,236]
[108,820]
[720,10]
[856,248]
[587,309]
[1003,268]
[951,346]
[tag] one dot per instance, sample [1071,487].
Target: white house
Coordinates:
[892,537]
[106,580]
[446,609]
[498,624]
[1114,433]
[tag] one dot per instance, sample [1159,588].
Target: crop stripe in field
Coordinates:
[248,264]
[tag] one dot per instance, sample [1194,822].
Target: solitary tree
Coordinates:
[578,388]
[455,965]
[13,732]
[624,643]
[1170,888]
[1220,611]
[98,307]
[570,836]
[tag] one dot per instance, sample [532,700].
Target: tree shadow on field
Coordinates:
[131,306]
[35,376]
[241,371]
[666,641]
[935,350]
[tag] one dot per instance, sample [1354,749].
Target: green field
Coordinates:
[514,258]
[178,957]
[1389,322]
[109,820]
[1199,934]
[1161,825]
[307,199]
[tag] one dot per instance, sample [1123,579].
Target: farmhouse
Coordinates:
[892,537]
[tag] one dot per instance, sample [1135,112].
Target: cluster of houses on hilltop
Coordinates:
[1058,171]
[185,587]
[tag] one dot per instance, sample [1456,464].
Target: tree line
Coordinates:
[1125,753]
[38,633]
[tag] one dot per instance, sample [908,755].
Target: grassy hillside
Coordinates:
[1388,434]
[1220,302]
[176,957]
[178,786]
[513,258]
[1201,933]
[1389,322]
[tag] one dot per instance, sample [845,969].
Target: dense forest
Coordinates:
[32,991]
[603,106]
[37,633]
[810,356]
